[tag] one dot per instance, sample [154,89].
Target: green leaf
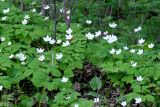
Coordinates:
[84,103]
[39,78]
[68,72]
[34,64]
[136,87]
[27,73]
[5,83]
[55,72]
[78,64]
[53,85]
[96,83]
[131,96]
[19,31]
[128,79]
[150,98]
[5,61]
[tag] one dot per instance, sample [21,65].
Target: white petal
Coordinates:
[112,25]
[1,87]
[64,79]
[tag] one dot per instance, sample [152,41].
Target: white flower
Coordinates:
[59,41]
[2,0]
[9,43]
[4,18]
[112,25]
[59,56]
[22,63]
[3,39]
[40,13]
[33,10]
[26,17]
[1,87]
[65,44]
[118,51]
[106,32]
[46,7]
[47,38]
[141,41]
[40,50]
[41,58]
[68,97]
[46,18]
[76,105]
[68,17]
[68,12]
[150,45]
[89,36]
[97,33]
[69,36]
[107,37]
[21,56]
[111,38]
[61,10]
[139,78]
[125,48]
[123,103]
[96,100]
[132,50]
[138,29]
[5,10]
[52,41]
[69,31]
[140,51]
[11,56]
[138,100]
[88,21]
[112,51]
[64,79]
[133,64]
[24,22]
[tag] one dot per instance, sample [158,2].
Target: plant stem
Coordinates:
[21,5]
[54,36]
[55,20]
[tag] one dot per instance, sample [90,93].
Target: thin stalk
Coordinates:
[43,11]
[55,30]
[69,14]
[65,10]
[55,20]
[54,36]
[71,11]
[50,11]
[21,5]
